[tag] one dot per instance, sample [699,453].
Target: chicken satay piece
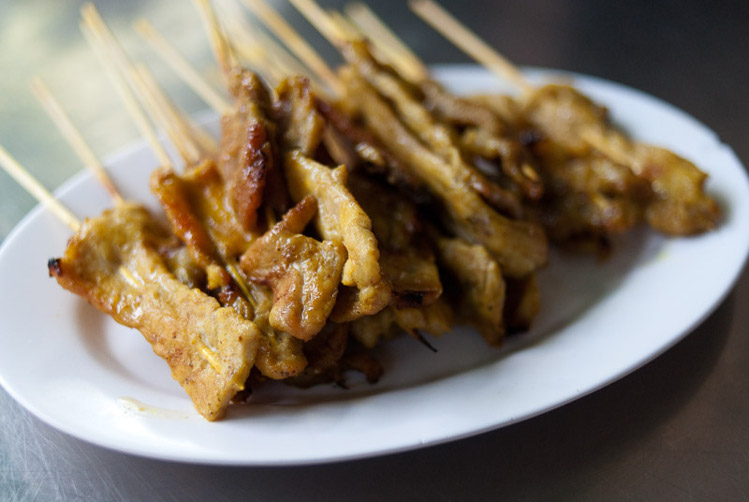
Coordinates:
[561,113]
[197,205]
[479,285]
[247,159]
[324,353]
[460,111]
[519,246]
[437,136]
[485,134]
[199,210]
[302,272]
[436,319]
[114,262]
[340,218]
[407,260]
[589,198]
[679,205]
[301,125]
[377,159]
[514,160]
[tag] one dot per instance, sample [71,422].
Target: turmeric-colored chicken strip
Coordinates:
[341,218]
[406,258]
[198,208]
[519,246]
[302,272]
[113,262]
[679,205]
[480,287]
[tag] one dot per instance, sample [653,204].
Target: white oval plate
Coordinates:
[84,374]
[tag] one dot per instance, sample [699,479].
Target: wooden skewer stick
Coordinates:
[166,116]
[180,66]
[354,32]
[222,49]
[271,56]
[320,19]
[74,137]
[382,37]
[28,182]
[128,99]
[295,43]
[452,29]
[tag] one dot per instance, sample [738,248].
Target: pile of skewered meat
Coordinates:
[324,227]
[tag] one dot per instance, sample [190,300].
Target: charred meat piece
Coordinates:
[247,160]
[196,204]
[113,262]
[302,272]
[377,159]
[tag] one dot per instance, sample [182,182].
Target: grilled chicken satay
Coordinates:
[437,136]
[114,262]
[406,257]
[479,288]
[302,272]
[519,246]
[339,218]
[437,318]
[248,160]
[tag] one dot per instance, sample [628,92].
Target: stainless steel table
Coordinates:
[677,429]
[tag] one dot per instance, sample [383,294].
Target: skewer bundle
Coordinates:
[343,207]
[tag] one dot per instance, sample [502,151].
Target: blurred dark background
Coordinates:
[674,430]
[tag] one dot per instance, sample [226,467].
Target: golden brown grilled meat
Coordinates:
[479,286]
[458,110]
[436,319]
[519,246]
[588,198]
[324,353]
[406,258]
[376,158]
[302,272]
[678,206]
[439,137]
[113,262]
[340,218]
[247,160]
[198,208]
[301,125]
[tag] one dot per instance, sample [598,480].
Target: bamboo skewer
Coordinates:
[222,49]
[320,19]
[180,66]
[31,185]
[471,44]
[295,43]
[128,99]
[452,29]
[382,37]
[74,137]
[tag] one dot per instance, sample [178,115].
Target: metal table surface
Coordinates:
[676,429]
